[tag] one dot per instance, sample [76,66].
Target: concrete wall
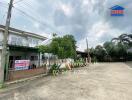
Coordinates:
[14,75]
[1,38]
[0,57]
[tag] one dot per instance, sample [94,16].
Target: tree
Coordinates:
[100,53]
[124,39]
[63,47]
[44,49]
[116,51]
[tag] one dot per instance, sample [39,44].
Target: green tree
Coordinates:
[44,49]
[116,50]
[64,47]
[100,53]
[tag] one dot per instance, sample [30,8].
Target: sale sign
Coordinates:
[22,64]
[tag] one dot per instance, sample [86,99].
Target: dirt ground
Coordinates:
[105,81]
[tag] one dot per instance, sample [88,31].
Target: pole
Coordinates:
[87,49]
[5,42]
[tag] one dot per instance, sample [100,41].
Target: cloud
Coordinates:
[82,18]
[67,9]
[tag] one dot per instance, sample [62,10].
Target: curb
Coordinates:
[6,84]
[25,79]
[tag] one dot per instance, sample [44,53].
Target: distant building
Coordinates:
[82,54]
[21,46]
[117,11]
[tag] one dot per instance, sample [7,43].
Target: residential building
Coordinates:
[21,46]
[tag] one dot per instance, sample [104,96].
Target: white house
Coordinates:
[21,46]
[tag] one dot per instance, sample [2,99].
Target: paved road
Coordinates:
[105,81]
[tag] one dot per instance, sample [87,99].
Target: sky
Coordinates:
[82,18]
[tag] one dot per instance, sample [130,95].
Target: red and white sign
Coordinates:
[22,64]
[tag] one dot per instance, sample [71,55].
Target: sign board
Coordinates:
[22,64]
[117,11]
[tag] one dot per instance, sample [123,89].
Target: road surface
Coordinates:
[106,81]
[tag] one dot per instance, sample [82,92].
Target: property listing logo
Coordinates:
[117,11]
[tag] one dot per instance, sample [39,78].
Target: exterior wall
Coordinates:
[1,38]
[26,56]
[14,75]
[0,57]
[28,40]
[16,39]
[23,40]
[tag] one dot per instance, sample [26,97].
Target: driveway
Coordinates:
[104,81]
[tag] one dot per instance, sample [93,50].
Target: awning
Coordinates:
[23,48]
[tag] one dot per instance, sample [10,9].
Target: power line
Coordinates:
[18,1]
[26,5]
[34,19]
[4,3]
[2,20]
[30,10]
[4,6]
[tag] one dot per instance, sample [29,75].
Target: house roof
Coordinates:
[20,32]
[117,7]
[83,54]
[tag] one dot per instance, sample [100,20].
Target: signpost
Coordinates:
[22,64]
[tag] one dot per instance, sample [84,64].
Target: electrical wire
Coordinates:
[18,1]
[2,19]
[34,19]
[4,3]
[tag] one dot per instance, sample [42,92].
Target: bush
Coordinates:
[79,63]
[55,69]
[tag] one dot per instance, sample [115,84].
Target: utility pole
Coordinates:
[87,50]
[5,43]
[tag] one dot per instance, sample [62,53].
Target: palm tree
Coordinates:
[124,39]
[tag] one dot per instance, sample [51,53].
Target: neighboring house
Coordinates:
[21,46]
[117,11]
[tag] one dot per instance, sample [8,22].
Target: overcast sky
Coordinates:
[82,18]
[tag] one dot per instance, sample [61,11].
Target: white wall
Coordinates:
[21,40]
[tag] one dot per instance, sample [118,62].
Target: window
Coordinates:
[18,58]
[34,58]
[16,40]
[33,42]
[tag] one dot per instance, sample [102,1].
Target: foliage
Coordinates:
[63,47]
[124,39]
[115,50]
[44,48]
[79,63]
[54,69]
[100,53]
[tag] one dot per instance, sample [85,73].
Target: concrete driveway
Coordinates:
[106,81]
